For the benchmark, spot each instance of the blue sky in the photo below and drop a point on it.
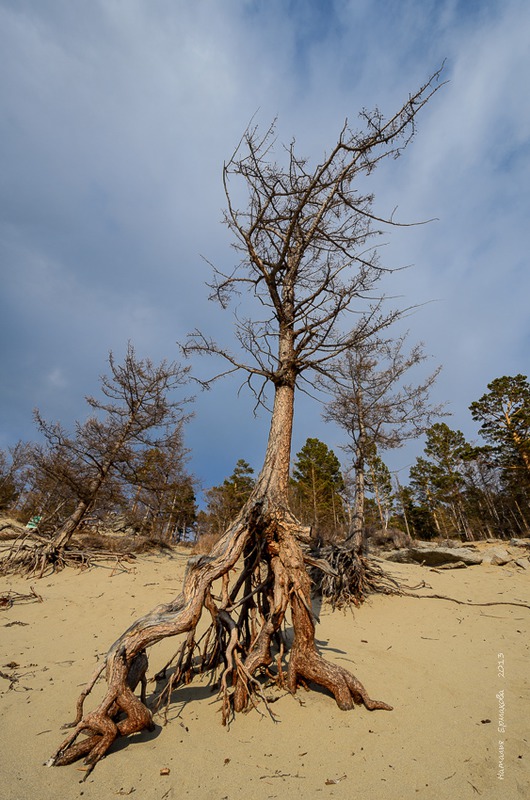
(116, 119)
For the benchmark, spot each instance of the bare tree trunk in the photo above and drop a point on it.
(314, 493)
(354, 539)
(400, 496)
(382, 516)
(68, 528)
(524, 521)
(432, 506)
(273, 480)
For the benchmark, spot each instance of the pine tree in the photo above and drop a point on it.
(225, 501)
(317, 484)
(439, 480)
(504, 414)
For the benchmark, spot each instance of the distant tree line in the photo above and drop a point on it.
(127, 464)
(476, 491)
(456, 488)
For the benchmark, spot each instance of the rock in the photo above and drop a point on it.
(450, 543)
(521, 562)
(520, 542)
(433, 556)
(497, 556)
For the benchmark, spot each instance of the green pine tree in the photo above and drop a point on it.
(317, 484)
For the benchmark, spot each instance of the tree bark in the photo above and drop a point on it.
(69, 526)
(354, 539)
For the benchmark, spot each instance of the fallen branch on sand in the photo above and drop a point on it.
(464, 602)
(9, 598)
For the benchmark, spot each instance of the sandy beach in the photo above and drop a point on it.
(457, 676)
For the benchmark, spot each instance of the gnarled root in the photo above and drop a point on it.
(247, 623)
(344, 686)
(291, 584)
(127, 661)
(351, 578)
(136, 674)
(101, 724)
(32, 555)
(305, 663)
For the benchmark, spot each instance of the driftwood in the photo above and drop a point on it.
(10, 597)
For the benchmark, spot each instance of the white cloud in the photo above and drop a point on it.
(56, 379)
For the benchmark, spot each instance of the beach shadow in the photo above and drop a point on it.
(179, 700)
(316, 605)
(187, 694)
(135, 738)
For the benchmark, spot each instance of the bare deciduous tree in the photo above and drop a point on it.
(305, 238)
(137, 413)
(379, 411)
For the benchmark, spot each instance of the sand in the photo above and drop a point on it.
(447, 669)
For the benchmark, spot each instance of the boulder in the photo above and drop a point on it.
(497, 556)
(433, 556)
(450, 543)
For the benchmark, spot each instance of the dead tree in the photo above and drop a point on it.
(379, 411)
(305, 239)
(137, 412)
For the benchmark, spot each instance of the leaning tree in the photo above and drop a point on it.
(305, 237)
(137, 412)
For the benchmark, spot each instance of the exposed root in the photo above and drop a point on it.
(84, 694)
(101, 725)
(350, 577)
(465, 602)
(244, 644)
(307, 664)
(345, 687)
(35, 556)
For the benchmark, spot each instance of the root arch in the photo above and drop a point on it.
(246, 623)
